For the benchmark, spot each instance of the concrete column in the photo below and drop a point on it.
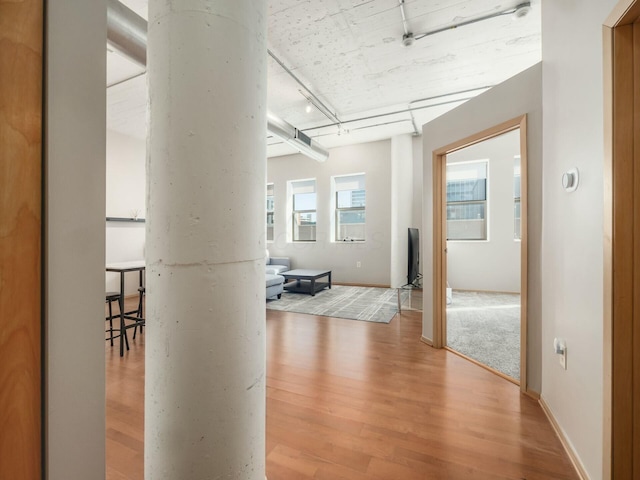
(205, 240)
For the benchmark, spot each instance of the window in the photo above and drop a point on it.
(303, 193)
(467, 201)
(270, 212)
(350, 197)
(517, 232)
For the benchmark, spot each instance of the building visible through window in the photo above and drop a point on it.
(270, 212)
(303, 197)
(350, 198)
(467, 201)
(517, 231)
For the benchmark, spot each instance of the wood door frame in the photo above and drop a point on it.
(21, 170)
(621, 310)
(440, 240)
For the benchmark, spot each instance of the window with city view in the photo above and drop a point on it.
(350, 198)
(303, 196)
(270, 212)
(467, 201)
(516, 198)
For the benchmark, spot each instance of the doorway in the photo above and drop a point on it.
(483, 253)
(482, 230)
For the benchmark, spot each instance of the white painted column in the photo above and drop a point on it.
(205, 336)
(401, 205)
(74, 241)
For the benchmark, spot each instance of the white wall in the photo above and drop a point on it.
(74, 259)
(374, 159)
(518, 95)
(125, 197)
(572, 253)
(401, 206)
(494, 264)
(418, 187)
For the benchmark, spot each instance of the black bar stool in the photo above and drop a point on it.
(141, 292)
(111, 297)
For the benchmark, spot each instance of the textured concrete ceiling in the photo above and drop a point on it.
(350, 54)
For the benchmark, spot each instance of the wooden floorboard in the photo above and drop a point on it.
(359, 400)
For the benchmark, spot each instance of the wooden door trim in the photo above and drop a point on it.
(21, 77)
(440, 241)
(621, 311)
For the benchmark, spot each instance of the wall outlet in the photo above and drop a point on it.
(560, 348)
(358, 264)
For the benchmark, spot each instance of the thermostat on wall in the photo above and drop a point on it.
(570, 180)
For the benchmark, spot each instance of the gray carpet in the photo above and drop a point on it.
(355, 303)
(486, 327)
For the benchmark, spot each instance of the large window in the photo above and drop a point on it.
(517, 232)
(350, 197)
(270, 212)
(303, 196)
(467, 201)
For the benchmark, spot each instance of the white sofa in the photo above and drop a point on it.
(277, 265)
(274, 266)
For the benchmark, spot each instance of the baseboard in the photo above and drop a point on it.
(532, 394)
(575, 460)
(426, 340)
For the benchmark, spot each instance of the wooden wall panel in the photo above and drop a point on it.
(21, 49)
(635, 348)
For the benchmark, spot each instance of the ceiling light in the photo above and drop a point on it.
(522, 11)
(407, 39)
(308, 108)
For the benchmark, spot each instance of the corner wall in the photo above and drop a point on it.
(513, 98)
(401, 206)
(573, 222)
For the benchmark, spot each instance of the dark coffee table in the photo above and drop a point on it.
(305, 281)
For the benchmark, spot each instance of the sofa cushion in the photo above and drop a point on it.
(276, 269)
(274, 279)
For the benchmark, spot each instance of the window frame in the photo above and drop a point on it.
(295, 213)
(484, 203)
(348, 183)
(270, 212)
(517, 213)
(339, 210)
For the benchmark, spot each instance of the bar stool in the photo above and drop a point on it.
(111, 297)
(141, 292)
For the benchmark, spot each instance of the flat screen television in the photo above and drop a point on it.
(413, 256)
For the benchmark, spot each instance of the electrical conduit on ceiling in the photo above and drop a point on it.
(127, 34)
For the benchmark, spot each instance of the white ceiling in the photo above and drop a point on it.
(350, 54)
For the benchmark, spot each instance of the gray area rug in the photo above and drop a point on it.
(355, 303)
(486, 327)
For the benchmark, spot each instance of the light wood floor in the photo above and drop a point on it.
(357, 400)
